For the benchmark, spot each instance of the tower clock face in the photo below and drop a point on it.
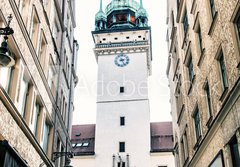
(121, 60)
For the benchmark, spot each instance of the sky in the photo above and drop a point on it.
(85, 91)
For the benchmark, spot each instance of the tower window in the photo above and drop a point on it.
(116, 38)
(104, 39)
(121, 89)
(121, 146)
(122, 121)
(139, 36)
(127, 37)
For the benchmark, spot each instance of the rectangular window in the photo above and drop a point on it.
(197, 124)
(121, 89)
(190, 69)
(9, 156)
(121, 146)
(42, 49)
(234, 152)
(212, 6)
(121, 164)
(34, 31)
(6, 77)
(23, 94)
(209, 101)
(122, 121)
(223, 71)
(217, 161)
(183, 151)
(37, 109)
(185, 140)
(185, 22)
(46, 134)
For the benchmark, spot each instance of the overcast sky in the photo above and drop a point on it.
(85, 92)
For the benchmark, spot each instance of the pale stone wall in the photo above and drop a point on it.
(86, 161)
(10, 131)
(162, 159)
(216, 36)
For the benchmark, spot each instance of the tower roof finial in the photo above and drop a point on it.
(141, 3)
(100, 5)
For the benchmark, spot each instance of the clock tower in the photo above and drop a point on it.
(122, 40)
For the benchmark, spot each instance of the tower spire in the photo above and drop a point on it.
(141, 3)
(100, 6)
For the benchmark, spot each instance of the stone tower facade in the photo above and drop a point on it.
(203, 71)
(123, 135)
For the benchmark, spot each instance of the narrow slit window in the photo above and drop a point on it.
(121, 89)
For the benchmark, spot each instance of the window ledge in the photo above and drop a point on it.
(224, 94)
(186, 162)
(191, 85)
(209, 122)
(201, 58)
(180, 114)
(198, 142)
(213, 24)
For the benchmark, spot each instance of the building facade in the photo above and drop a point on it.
(123, 135)
(36, 94)
(203, 71)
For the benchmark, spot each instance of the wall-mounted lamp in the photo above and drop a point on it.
(67, 155)
(6, 60)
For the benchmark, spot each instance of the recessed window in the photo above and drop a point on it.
(121, 146)
(223, 70)
(35, 24)
(104, 39)
(46, 135)
(139, 36)
(212, 6)
(217, 161)
(196, 118)
(190, 69)
(100, 42)
(121, 89)
(121, 164)
(144, 38)
(185, 22)
(237, 25)
(122, 121)
(116, 38)
(127, 37)
(234, 152)
(208, 98)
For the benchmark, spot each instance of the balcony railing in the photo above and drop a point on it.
(122, 44)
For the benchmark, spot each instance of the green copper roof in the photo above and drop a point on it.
(100, 15)
(122, 5)
(141, 11)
